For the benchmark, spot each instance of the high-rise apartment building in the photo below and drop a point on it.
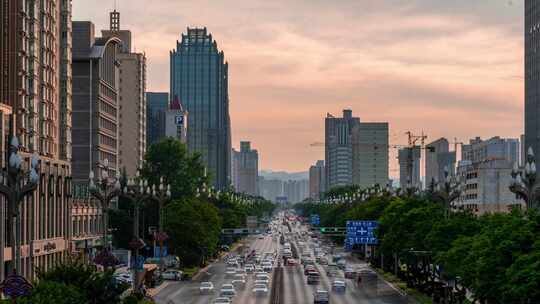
(479, 150)
(370, 154)
(270, 189)
(157, 105)
(95, 102)
(409, 167)
(132, 99)
(199, 77)
(246, 166)
(439, 157)
(338, 149)
(35, 105)
(355, 152)
(532, 74)
(316, 180)
(296, 190)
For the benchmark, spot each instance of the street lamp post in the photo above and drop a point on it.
(524, 183)
(137, 191)
(15, 185)
(162, 195)
(104, 190)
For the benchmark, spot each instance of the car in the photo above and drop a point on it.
(239, 280)
(222, 300)
(309, 268)
(262, 278)
(339, 286)
(321, 297)
(227, 290)
(249, 268)
(350, 273)
(267, 267)
(290, 262)
(260, 289)
(123, 277)
(230, 272)
(342, 264)
(261, 237)
(172, 274)
(323, 261)
(313, 278)
(206, 287)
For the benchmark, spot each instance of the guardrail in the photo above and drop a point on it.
(276, 293)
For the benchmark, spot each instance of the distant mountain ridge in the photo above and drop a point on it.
(283, 175)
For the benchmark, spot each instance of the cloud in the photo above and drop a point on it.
(450, 68)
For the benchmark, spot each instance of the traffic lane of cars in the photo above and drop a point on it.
(189, 293)
(296, 289)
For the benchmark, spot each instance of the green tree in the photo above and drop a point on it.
(194, 227)
(46, 292)
(171, 160)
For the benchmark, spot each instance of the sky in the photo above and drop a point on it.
(451, 69)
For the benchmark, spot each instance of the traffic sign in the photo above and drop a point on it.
(315, 220)
(361, 232)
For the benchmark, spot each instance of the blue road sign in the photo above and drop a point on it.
(361, 232)
(315, 220)
(157, 251)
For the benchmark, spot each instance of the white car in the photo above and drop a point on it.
(222, 300)
(227, 290)
(230, 272)
(267, 267)
(262, 278)
(174, 275)
(206, 287)
(261, 237)
(249, 268)
(239, 280)
(123, 277)
(260, 289)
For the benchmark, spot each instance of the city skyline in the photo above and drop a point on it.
(431, 87)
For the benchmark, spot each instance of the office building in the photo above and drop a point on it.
(316, 180)
(522, 151)
(199, 77)
(338, 149)
(157, 105)
(95, 102)
(370, 154)
(532, 74)
(176, 120)
(409, 167)
(35, 105)
(246, 166)
(439, 157)
(486, 186)
(479, 150)
(132, 99)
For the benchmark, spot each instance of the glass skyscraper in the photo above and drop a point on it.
(199, 78)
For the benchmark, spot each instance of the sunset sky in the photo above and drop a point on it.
(449, 68)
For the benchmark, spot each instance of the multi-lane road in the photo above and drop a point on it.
(296, 290)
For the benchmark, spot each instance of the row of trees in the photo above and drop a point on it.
(495, 256)
(195, 214)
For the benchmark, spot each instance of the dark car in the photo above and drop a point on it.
(313, 278)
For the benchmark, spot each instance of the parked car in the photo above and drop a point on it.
(172, 274)
(206, 287)
(339, 286)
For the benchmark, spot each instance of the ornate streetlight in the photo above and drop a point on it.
(524, 183)
(137, 191)
(161, 195)
(15, 185)
(449, 190)
(105, 190)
